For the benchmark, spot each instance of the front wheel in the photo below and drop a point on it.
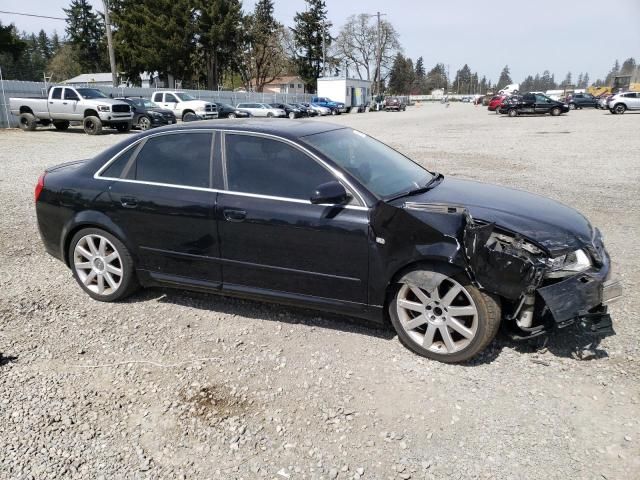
(123, 127)
(292, 115)
(572, 106)
(556, 111)
(513, 112)
(102, 265)
(189, 117)
(334, 111)
(443, 316)
(92, 125)
(620, 108)
(144, 123)
(231, 115)
(269, 115)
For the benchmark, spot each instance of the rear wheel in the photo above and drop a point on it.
(28, 122)
(92, 125)
(231, 115)
(555, 111)
(102, 265)
(620, 108)
(513, 112)
(292, 115)
(443, 316)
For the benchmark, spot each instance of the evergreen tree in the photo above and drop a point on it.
(44, 45)
(86, 33)
(505, 78)
(628, 66)
(567, 81)
(437, 77)
(585, 80)
(310, 30)
(401, 76)
(55, 43)
(420, 71)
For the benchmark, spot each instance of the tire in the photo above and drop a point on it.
(619, 108)
(292, 115)
(189, 117)
(144, 123)
(231, 115)
(334, 112)
(28, 122)
(88, 268)
(555, 111)
(92, 125)
(269, 115)
(123, 127)
(61, 125)
(512, 113)
(479, 316)
(572, 106)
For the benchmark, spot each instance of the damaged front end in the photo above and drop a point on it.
(541, 292)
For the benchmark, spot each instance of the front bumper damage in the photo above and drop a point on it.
(513, 273)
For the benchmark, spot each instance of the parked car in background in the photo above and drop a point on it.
(531, 103)
(603, 101)
(581, 100)
(147, 114)
(395, 103)
(495, 102)
(306, 111)
(291, 110)
(185, 107)
(229, 111)
(64, 105)
(261, 110)
(323, 216)
(318, 109)
(336, 107)
(621, 102)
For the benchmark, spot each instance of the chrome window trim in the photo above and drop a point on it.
(137, 144)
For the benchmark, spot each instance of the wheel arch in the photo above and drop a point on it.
(89, 112)
(26, 109)
(91, 219)
(188, 110)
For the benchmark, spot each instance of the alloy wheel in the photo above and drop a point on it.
(98, 264)
(442, 319)
(144, 123)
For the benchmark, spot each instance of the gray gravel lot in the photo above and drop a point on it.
(173, 384)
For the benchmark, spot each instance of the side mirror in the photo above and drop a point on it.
(330, 192)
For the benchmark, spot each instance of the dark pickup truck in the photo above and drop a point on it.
(532, 103)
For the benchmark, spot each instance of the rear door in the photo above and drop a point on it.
(273, 239)
(162, 199)
(633, 101)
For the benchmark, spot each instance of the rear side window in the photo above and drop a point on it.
(115, 169)
(175, 159)
(157, 97)
(270, 167)
(57, 93)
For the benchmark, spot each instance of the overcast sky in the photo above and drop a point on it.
(558, 35)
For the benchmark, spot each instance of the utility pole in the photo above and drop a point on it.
(377, 76)
(112, 55)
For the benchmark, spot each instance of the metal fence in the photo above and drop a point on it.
(16, 88)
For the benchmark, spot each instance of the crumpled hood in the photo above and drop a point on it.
(550, 224)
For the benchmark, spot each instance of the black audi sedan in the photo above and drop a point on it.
(148, 114)
(229, 111)
(325, 217)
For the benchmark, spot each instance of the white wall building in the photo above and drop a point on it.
(353, 92)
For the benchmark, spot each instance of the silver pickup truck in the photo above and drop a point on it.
(73, 104)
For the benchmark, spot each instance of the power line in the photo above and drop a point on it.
(32, 15)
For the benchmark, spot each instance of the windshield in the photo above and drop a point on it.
(378, 167)
(142, 102)
(226, 106)
(185, 97)
(90, 93)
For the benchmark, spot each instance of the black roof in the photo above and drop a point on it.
(291, 129)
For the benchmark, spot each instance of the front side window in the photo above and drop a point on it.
(185, 97)
(265, 166)
(157, 97)
(168, 98)
(378, 167)
(175, 159)
(69, 94)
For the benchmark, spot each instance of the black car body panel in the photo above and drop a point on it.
(340, 258)
(581, 100)
(158, 116)
(532, 104)
(224, 110)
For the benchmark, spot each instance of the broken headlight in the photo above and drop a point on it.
(569, 264)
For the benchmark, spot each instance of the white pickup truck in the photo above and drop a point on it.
(184, 106)
(73, 104)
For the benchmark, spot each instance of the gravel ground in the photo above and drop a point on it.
(172, 384)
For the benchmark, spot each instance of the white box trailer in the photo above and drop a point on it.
(353, 92)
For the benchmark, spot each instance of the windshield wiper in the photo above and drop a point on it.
(434, 181)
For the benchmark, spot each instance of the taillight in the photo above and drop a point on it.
(39, 186)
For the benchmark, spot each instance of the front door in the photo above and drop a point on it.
(57, 104)
(273, 238)
(165, 204)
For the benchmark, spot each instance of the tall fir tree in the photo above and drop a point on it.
(86, 34)
(505, 77)
(310, 35)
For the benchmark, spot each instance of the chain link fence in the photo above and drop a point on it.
(16, 88)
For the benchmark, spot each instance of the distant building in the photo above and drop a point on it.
(290, 85)
(353, 92)
(147, 80)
